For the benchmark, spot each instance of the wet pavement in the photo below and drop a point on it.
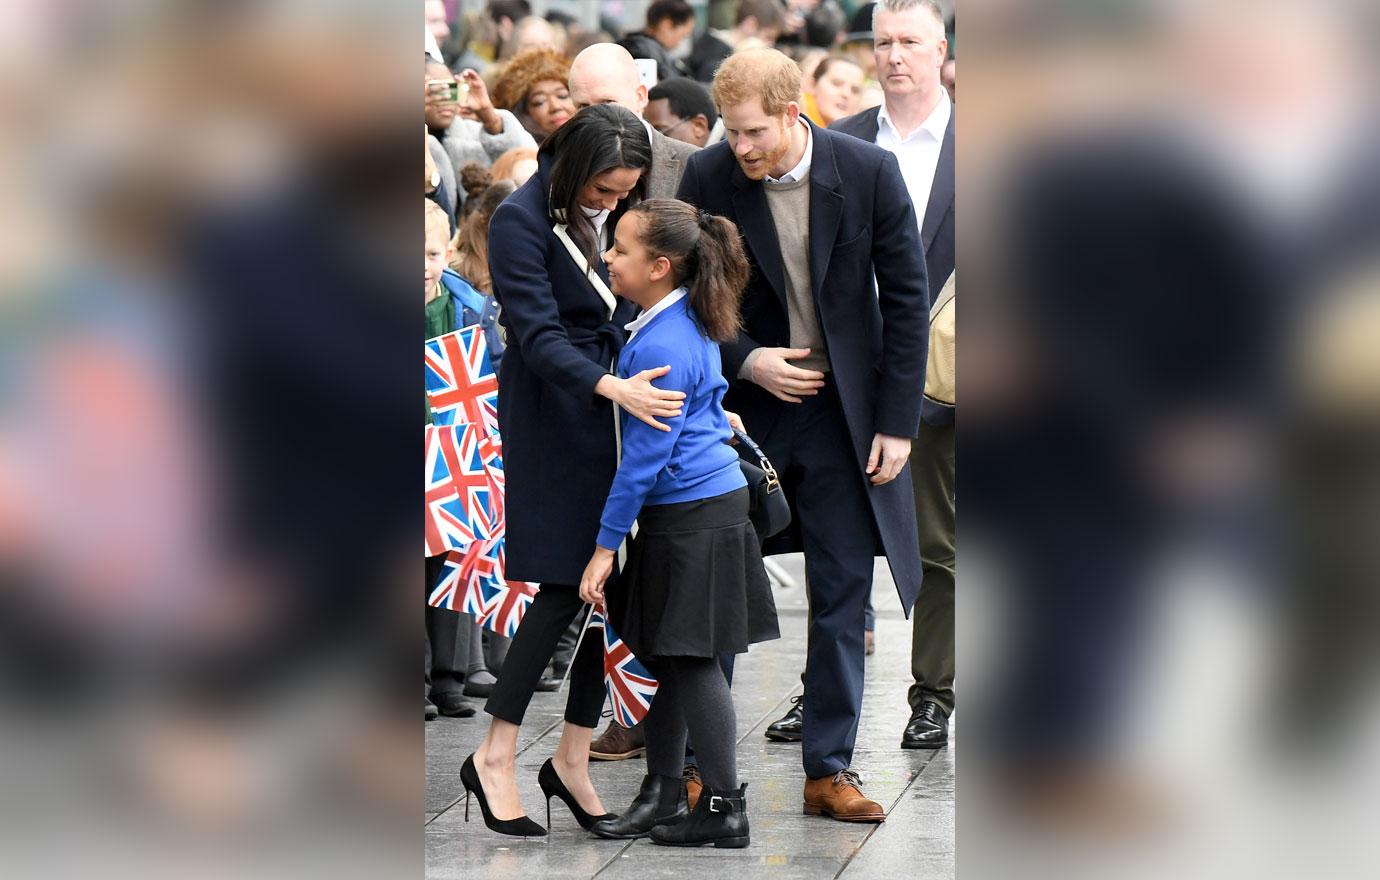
(916, 787)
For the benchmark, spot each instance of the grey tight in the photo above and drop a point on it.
(692, 699)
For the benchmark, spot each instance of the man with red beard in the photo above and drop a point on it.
(827, 373)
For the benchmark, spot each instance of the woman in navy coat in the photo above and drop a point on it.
(556, 395)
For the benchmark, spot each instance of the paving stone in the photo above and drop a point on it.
(917, 787)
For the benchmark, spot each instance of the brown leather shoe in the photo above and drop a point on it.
(839, 797)
(618, 743)
(693, 784)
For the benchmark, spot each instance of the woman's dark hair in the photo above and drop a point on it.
(706, 255)
(599, 138)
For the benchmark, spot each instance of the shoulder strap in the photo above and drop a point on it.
(946, 295)
(761, 456)
(598, 283)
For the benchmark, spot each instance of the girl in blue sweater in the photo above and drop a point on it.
(693, 587)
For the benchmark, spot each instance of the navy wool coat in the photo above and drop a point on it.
(861, 223)
(558, 437)
(937, 229)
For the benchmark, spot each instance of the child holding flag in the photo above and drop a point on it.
(694, 586)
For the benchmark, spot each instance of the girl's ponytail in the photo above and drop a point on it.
(706, 255)
(717, 277)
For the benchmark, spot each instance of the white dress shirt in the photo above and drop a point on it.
(918, 154)
(646, 317)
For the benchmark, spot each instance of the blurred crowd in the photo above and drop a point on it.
(1169, 231)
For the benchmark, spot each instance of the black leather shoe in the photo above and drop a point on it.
(454, 706)
(480, 685)
(661, 801)
(927, 729)
(786, 729)
(720, 819)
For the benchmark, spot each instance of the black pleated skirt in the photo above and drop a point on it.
(694, 584)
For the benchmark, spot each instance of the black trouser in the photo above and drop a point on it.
(445, 657)
(531, 650)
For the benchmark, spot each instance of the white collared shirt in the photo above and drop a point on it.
(598, 219)
(802, 168)
(918, 154)
(646, 317)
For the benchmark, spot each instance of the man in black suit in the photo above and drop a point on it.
(827, 374)
(916, 123)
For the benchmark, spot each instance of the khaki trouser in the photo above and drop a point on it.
(932, 642)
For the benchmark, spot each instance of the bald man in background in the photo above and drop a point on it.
(606, 74)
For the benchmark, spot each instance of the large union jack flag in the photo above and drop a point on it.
(460, 381)
(629, 684)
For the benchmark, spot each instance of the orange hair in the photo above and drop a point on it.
(528, 68)
(765, 74)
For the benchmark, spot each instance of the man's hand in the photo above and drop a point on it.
(773, 371)
(596, 574)
(888, 456)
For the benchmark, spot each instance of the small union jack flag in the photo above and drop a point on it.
(477, 473)
(506, 601)
(451, 590)
(460, 381)
(446, 524)
(629, 684)
(473, 582)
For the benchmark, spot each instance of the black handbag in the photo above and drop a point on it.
(767, 506)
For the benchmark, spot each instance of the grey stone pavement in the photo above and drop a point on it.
(916, 787)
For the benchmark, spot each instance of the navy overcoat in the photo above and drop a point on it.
(558, 435)
(861, 222)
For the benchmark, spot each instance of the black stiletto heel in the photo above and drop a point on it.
(551, 786)
(519, 827)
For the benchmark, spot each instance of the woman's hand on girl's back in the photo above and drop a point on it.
(641, 398)
(596, 574)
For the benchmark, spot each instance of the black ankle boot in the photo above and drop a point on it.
(661, 801)
(720, 819)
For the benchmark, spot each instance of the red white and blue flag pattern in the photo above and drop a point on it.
(447, 521)
(460, 382)
(465, 485)
(630, 686)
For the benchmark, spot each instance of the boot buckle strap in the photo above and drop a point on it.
(719, 804)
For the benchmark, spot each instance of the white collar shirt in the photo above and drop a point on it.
(918, 153)
(646, 317)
